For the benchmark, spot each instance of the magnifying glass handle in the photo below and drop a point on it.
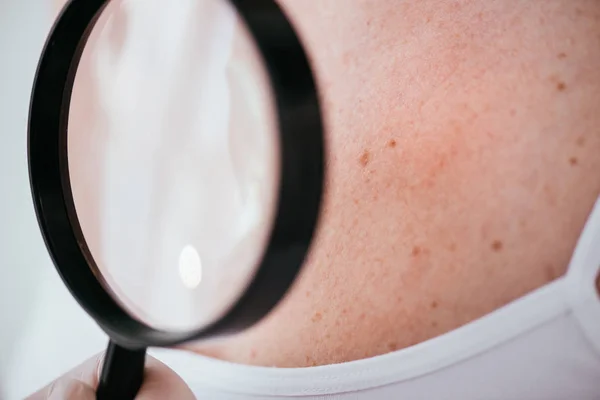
(122, 373)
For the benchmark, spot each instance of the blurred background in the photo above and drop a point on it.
(43, 332)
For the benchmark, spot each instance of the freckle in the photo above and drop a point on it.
(392, 143)
(416, 251)
(573, 161)
(392, 346)
(317, 317)
(580, 141)
(452, 247)
(561, 56)
(497, 245)
(434, 304)
(365, 158)
(561, 86)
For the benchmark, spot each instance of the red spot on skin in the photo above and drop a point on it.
(253, 354)
(392, 143)
(452, 247)
(561, 56)
(365, 157)
(344, 311)
(497, 245)
(573, 161)
(393, 346)
(434, 304)
(561, 86)
(513, 112)
(416, 251)
(317, 317)
(362, 316)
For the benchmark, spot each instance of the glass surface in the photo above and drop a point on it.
(173, 158)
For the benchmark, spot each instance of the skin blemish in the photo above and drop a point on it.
(392, 143)
(580, 141)
(497, 245)
(364, 158)
(307, 293)
(452, 247)
(561, 86)
(434, 304)
(434, 324)
(393, 346)
(416, 251)
(362, 316)
(561, 56)
(573, 161)
(344, 311)
(317, 317)
(253, 354)
(513, 112)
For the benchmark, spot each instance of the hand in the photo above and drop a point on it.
(160, 382)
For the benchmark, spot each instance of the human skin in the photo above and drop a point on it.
(463, 160)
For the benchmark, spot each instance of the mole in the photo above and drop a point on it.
(561, 86)
(573, 161)
(561, 56)
(497, 245)
(392, 143)
(365, 158)
(317, 317)
(434, 304)
(416, 251)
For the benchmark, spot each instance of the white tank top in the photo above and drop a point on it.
(544, 346)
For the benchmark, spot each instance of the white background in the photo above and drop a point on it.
(43, 332)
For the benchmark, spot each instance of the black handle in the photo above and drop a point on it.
(122, 373)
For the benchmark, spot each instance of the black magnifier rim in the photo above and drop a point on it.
(301, 180)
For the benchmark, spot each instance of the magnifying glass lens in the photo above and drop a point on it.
(173, 158)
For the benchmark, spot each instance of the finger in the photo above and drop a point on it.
(160, 382)
(87, 373)
(71, 390)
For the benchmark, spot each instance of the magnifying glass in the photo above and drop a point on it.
(176, 162)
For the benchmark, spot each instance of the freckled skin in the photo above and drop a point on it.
(448, 194)
(452, 130)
